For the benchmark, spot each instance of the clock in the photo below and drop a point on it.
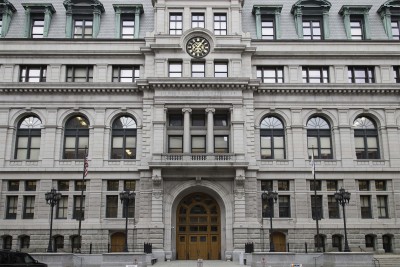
(198, 47)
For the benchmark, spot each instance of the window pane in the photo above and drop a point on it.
(118, 142)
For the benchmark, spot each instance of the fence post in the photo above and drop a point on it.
(305, 243)
(108, 247)
(90, 248)
(288, 248)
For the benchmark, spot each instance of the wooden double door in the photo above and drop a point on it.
(198, 228)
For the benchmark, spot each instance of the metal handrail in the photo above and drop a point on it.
(315, 260)
(374, 261)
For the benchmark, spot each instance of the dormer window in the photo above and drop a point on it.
(356, 22)
(127, 21)
(390, 14)
(6, 11)
(267, 21)
(37, 20)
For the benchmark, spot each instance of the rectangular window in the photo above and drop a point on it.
(112, 185)
(396, 72)
(83, 28)
(220, 24)
(284, 206)
(30, 185)
(363, 185)
(33, 74)
(77, 206)
(175, 144)
(312, 29)
(382, 206)
(267, 208)
(365, 207)
(112, 207)
(198, 120)
(198, 69)
(197, 20)
(220, 69)
(380, 185)
(266, 185)
(316, 183)
(131, 209)
(316, 207)
(127, 28)
(12, 202)
(125, 74)
(198, 144)
(175, 23)
(79, 185)
(13, 185)
(62, 208)
(130, 185)
(270, 74)
(361, 74)
(283, 185)
(175, 69)
(175, 120)
(29, 207)
(221, 120)
(315, 75)
(79, 74)
(63, 185)
(396, 29)
(331, 185)
(333, 207)
(221, 144)
(37, 28)
(267, 28)
(356, 29)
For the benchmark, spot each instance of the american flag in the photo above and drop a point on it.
(85, 166)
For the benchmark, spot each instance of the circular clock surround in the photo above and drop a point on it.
(198, 47)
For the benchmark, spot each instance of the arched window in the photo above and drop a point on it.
(76, 138)
(370, 241)
(272, 139)
(58, 242)
(123, 138)
(7, 242)
(366, 138)
(319, 138)
(24, 242)
(75, 243)
(319, 241)
(28, 138)
(337, 242)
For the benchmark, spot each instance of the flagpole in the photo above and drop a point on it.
(315, 200)
(81, 200)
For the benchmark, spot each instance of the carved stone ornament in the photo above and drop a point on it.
(156, 180)
(157, 194)
(239, 194)
(239, 180)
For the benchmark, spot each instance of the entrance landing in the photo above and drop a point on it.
(194, 264)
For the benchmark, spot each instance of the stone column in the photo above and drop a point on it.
(186, 129)
(210, 129)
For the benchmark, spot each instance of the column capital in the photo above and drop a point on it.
(208, 110)
(184, 110)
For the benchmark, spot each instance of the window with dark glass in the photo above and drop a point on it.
(382, 206)
(337, 242)
(331, 185)
(131, 209)
(37, 27)
(175, 120)
(29, 207)
(76, 138)
(124, 138)
(175, 144)
(365, 202)
(79, 74)
(198, 69)
(112, 207)
(112, 185)
(198, 120)
(62, 208)
(13, 185)
(28, 139)
(220, 24)
(76, 214)
(315, 185)
(220, 69)
(396, 72)
(198, 20)
(79, 185)
(130, 185)
(312, 29)
(333, 207)
(283, 185)
(198, 144)
(221, 120)
(83, 28)
(366, 139)
(319, 138)
(58, 242)
(267, 208)
(380, 185)
(125, 74)
(316, 207)
(30, 185)
(356, 29)
(33, 74)
(7, 242)
(24, 242)
(11, 212)
(63, 185)
(221, 144)
(363, 185)
(267, 27)
(315, 74)
(175, 23)
(266, 185)
(175, 69)
(284, 206)
(396, 28)
(270, 74)
(370, 241)
(272, 138)
(361, 74)
(127, 27)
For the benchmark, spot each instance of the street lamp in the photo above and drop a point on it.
(52, 198)
(343, 197)
(126, 197)
(271, 197)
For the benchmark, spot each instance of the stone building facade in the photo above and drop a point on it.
(200, 108)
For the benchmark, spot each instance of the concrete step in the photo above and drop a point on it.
(388, 260)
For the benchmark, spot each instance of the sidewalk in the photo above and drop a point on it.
(194, 264)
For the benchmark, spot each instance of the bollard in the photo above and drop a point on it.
(200, 263)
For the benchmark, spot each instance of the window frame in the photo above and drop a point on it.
(396, 72)
(127, 135)
(79, 185)
(284, 207)
(174, 22)
(317, 130)
(333, 207)
(359, 27)
(13, 185)
(197, 21)
(111, 206)
(78, 134)
(173, 73)
(30, 185)
(317, 207)
(363, 153)
(382, 207)
(331, 185)
(264, 28)
(117, 73)
(89, 69)
(12, 207)
(62, 208)
(311, 20)
(196, 150)
(201, 73)
(218, 73)
(30, 131)
(61, 187)
(395, 20)
(380, 185)
(273, 130)
(366, 211)
(170, 150)
(364, 185)
(277, 71)
(283, 185)
(36, 18)
(219, 19)
(307, 78)
(29, 207)
(86, 23)
(76, 207)
(223, 150)
(124, 19)
(25, 76)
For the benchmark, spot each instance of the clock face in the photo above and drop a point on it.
(198, 47)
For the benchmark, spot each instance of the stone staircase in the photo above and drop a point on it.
(387, 260)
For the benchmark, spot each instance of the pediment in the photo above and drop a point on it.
(83, 4)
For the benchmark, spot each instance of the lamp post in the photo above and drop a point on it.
(343, 197)
(52, 198)
(271, 197)
(126, 197)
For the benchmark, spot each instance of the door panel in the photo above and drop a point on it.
(181, 248)
(117, 242)
(215, 248)
(193, 248)
(279, 240)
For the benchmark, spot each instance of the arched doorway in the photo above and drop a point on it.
(387, 243)
(279, 240)
(198, 233)
(117, 242)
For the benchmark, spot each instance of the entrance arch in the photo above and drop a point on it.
(198, 235)
(117, 242)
